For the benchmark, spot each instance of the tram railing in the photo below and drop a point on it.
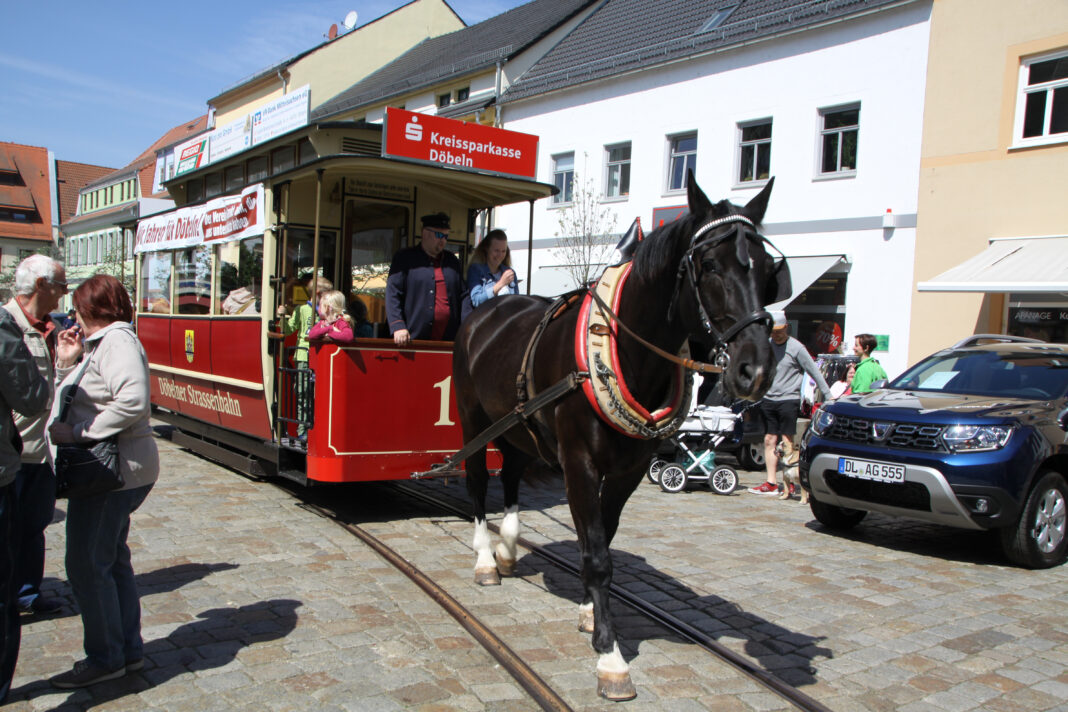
(296, 399)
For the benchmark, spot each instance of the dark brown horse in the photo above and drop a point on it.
(703, 277)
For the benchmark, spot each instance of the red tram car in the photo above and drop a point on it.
(324, 199)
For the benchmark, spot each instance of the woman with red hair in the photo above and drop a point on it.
(111, 397)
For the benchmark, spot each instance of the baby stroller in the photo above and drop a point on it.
(689, 456)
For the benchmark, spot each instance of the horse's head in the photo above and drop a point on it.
(725, 277)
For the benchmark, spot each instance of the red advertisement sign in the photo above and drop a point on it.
(469, 146)
(231, 217)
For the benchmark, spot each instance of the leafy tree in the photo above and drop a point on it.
(585, 231)
(7, 275)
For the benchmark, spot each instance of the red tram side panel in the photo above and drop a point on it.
(203, 360)
(382, 413)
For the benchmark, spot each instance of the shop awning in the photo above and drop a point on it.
(1011, 264)
(803, 272)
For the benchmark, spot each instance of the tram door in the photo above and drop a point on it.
(374, 231)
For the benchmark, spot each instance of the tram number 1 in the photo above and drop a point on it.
(443, 408)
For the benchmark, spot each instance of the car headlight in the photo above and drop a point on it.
(822, 421)
(974, 438)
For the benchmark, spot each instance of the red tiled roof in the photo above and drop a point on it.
(70, 179)
(31, 163)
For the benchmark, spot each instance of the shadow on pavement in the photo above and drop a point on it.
(211, 642)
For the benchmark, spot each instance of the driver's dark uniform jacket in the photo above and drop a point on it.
(410, 292)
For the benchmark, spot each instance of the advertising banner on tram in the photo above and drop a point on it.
(231, 217)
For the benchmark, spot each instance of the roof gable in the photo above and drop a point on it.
(31, 191)
(70, 179)
(455, 54)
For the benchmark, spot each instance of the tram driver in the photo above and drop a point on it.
(424, 287)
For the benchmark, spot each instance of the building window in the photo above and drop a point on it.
(683, 158)
(444, 100)
(617, 170)
(754, 152)
(213, 184)
(235, 177)
(195, 190)
(1042, 104)
(463, 94)
(564, 177)
(257, 169)
(282, 159)
(838, 140)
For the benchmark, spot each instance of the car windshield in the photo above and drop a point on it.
(1031, 375)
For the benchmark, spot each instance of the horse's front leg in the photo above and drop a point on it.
(514, 463)
(477, 478)
(613, 673)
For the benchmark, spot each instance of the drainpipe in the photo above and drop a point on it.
(497, 95)
(285, 82)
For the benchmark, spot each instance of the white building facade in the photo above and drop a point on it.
(833, 112)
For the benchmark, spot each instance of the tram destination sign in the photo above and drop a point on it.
(458, 144)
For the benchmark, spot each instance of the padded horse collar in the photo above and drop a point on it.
(719, 347)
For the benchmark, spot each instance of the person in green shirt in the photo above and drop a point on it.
(868, 369)
(302, 319)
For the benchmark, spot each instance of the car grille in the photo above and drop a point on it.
(906, 436)
(907, 495)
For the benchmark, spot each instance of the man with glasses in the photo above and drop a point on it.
(40, 283)
(424, 287)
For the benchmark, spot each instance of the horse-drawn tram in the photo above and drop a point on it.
(335, 200)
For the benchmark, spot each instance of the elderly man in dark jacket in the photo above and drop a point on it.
(424, 287)
(21, 389)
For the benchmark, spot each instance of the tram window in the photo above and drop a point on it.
(300, 247)
(257, 168)
(240, 270)
(282, 160)
(194, 280)
(235, 177)
(213, 184)
(376, 231)
(306, 151)
(194, 190)
(155, 292)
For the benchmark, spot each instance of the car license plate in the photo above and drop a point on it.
(871, 470)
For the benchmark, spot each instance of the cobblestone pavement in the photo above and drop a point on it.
(251, 601)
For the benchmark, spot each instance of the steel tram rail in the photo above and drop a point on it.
(529, 680)
(658, 615)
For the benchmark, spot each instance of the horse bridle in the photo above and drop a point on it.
(686, 267)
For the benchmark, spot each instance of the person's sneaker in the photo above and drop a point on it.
(84, 674)
(764, 488)
(41, 606)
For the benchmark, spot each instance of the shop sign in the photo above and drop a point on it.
(232, 217)
(232, 138)
(191, 155)
(457, 144)
(282, 115)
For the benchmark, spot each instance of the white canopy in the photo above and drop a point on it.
(1010, 264)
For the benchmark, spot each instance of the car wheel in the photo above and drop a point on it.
(834, 517)
(751, 456)
(724, 480)
(653, 473)
(673, 478)
(1037, 540)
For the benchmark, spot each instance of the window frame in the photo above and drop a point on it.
(822, 134)
(1045, 139)
(685, 156)
(743, 144)
(566, 194)
(624, 166)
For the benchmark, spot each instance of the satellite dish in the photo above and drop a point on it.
(333, 31)
(350, 20)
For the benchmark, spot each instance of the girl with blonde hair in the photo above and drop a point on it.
(335, 324)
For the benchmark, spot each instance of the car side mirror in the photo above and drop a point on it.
(881, 383)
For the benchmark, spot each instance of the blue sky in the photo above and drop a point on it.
(99, 82)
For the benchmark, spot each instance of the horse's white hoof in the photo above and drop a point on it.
(615, 686)
(487, 577)
(506, 567)
(585, 619)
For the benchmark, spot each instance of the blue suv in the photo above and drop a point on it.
(973, 436)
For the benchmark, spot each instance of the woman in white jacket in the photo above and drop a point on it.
(111, 398)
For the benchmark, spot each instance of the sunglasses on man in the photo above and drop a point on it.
(439, 235)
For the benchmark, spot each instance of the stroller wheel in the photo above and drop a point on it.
(673, 478)
(724, 480)
(653, 473)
